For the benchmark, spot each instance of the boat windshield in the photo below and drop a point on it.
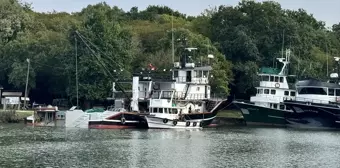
(165, 110)
(312, 90)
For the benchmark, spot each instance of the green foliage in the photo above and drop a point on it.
(13, 20)
(241, 38)
(259, 31)
(17, 76)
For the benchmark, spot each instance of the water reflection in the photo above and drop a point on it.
(229, 147)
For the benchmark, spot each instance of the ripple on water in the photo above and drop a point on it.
(228, 147)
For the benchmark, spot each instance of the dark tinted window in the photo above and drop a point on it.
(286, 93)
(292, 93)
(273, 92)
(265, 78)
(282, 107)
(337, 92)
(331, 92)
(275, 106)
(276, 79)
(260, 91)
(175, 74)
(272, 78)
(281, 79)
(316, 91)
(266, 91)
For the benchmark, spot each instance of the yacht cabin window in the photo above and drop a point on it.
(275, 106)
(265, 78)
(281, 79)
(273, 92)
(313, 90)
(205, 74)
(276, 79)
(198, 74)
(331, 92)
(160, 110)
(155, 110)
(272, 78)
(166, 111)
(260, 91)
(175, 74)
(292, 93)
(337, 92)
(286, 93)
(282, 107)
(174, 111)
(266, 91)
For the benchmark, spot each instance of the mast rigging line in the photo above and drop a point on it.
(107, 72)
(119, 65)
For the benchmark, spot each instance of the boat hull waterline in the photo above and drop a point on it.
(120, 121)
(188, 121)
(261, 116)
(313, 115)
(161, 123)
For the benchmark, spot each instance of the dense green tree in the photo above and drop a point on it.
(112, 44)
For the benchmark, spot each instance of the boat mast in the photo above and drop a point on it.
(76, 48)
(283, 42)
(327, 58)
(172, 42)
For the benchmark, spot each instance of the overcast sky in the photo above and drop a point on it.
(325, 10)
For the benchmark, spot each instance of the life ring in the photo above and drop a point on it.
(201, 124)
(277, 85)
(187, 123)
(122, 120)
(174, 122)
(337, 99)
(165, 121)
(194, 124)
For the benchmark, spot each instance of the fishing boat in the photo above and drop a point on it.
(180, 96)
(184, 99)
(266, 107)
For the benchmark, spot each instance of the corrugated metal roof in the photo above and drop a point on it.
(17, 94)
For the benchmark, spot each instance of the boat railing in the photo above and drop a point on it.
(309, 100)
(165, 94)
(197, 80)
(266, 96)
(243, 101)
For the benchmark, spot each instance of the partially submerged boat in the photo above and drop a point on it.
(115, 117)
(43, 116)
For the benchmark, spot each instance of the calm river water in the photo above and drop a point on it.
(22, 146)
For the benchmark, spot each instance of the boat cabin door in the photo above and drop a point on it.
(188, 76)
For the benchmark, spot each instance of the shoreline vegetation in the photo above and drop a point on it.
(14, 116)
(242, 38)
